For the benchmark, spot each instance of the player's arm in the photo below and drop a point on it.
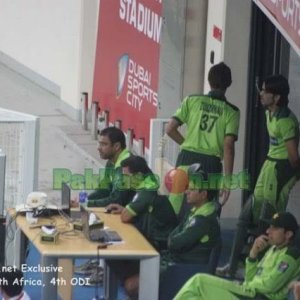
(173, 132)
(126, 215)
(229, 152)
(259, 245)
(290, 133)
(183, 239)
(138, 206)
(276, 279)
(293, 155)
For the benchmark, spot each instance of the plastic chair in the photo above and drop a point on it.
(176, 275)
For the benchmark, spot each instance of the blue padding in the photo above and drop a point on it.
(176, 275)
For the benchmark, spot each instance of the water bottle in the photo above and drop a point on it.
(83, 197)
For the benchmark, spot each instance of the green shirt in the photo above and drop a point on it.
(193, 239)
(209, 118)
(109, 190)
(282, 126)
(153, 213)
(270, 276)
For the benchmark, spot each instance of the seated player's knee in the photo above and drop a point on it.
(131, 285)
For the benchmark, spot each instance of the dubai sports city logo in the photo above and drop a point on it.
(135, 83)
(122, 71)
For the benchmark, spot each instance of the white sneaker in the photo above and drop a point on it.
(223, 271)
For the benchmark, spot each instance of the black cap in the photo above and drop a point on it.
(284, 220)
(197, 177)
(197, 169)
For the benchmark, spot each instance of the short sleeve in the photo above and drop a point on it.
(232, 123)
(288, 129)
(182, 112)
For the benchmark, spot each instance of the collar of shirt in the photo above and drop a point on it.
(217, 95)
(124, 154)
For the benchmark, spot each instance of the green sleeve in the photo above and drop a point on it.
(122, 197)
(182, 112)
(251, 268)
(141, 203)
(99, 193)
(117, 193)
(276, 279)
(232, 123)
(288, 129)
(188, 236)
(105, 184)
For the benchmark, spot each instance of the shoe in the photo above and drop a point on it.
(223, 271)
(87, 268)
(96, 277)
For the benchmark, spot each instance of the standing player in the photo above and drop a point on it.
(212, 129)
(279, 171)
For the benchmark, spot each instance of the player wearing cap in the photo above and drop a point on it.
(212, 128)
(267, 278)
(279, 171)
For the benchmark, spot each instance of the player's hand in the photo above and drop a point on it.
(74, 203)
(224, 196)
(260, 243)
(295, 286)
(114, 208)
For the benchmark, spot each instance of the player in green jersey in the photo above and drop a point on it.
(279, 171)
(267, 278)
(112, 146)
(191, 242)
(150, 212)
(212, 129)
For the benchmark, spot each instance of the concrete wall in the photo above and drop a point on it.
(195, 44)
(232, 18)
(236, 55)
(171, 58)
(89, 36)
(182, 53)
(49, 42)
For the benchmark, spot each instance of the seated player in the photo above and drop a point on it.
(151, 213)
(266, 278)
(193, 239)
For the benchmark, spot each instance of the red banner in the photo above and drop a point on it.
(127, 62)
(287, 14)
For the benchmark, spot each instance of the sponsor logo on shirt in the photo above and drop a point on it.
(273, 141)
(259, 271)
(283, 266)
(192, 222)
(134, 198)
